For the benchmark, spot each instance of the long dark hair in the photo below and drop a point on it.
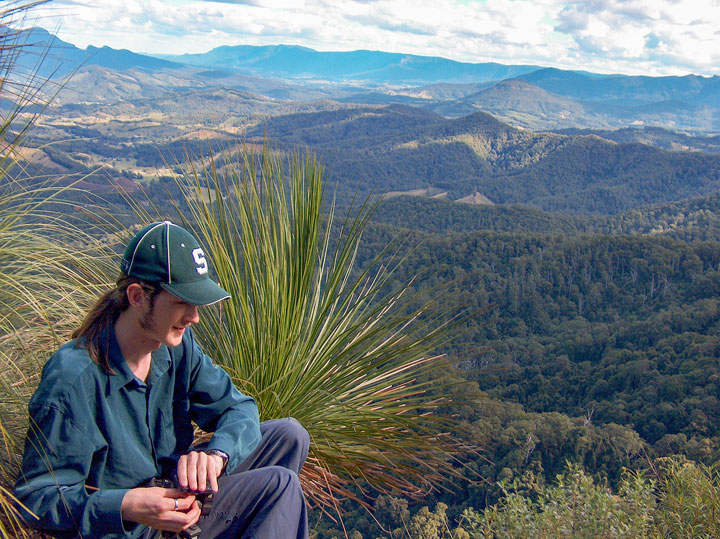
(93, 334)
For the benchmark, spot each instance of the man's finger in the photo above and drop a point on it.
(182, 471)
(215, 466)
(185, 503)
(178, 500)
(202, 471)
(192, 471)
(212, 477)
(193, 515)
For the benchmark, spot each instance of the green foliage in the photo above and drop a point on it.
(393, 513)
(689, 505)
(516, 441)
(439, 216)
(695, 219)
(592, 176)
(428, 525)
(574, 507)
(617, 329)
(681, 502)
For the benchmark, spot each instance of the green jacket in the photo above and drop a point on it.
(94, 436)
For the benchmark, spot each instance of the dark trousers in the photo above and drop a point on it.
(262, 498)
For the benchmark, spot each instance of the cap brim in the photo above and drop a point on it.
(203, 292)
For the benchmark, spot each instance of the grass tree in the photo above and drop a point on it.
(312, 336)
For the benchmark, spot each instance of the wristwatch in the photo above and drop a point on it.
(218, 453)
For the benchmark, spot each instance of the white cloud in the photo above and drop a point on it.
(629, 36)
(683, 34)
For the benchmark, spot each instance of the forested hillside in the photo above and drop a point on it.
(623, 327)
(590, 348)
(399, 148)
(691, 219)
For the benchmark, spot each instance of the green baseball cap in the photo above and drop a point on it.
(167, 254)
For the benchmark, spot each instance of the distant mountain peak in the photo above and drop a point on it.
(292, 61)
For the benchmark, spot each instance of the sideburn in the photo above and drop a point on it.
(146, 322)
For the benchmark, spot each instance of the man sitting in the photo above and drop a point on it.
(115, 408)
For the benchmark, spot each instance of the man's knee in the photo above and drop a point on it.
(282, 482)
(289, 434)
(296, 434)
(260, 485)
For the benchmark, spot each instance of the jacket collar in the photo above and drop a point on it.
(160, 363)
(123, 375)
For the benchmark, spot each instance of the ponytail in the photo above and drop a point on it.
(94, 332)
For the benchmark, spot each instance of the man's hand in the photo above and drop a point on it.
(197, 470)
(155, 507)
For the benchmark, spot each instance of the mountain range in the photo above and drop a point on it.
(529, 97)
(360, 67)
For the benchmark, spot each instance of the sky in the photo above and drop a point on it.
(636, 37)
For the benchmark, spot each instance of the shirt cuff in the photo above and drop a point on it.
(106, 513)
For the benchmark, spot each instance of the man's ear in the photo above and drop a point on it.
(136, 295)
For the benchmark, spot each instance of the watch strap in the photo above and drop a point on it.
(218, 453)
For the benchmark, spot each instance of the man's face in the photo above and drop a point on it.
(166, 319)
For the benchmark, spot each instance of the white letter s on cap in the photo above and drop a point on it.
(199, 257)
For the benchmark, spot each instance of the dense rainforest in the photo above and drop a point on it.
(617, 327)
(583, 346)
